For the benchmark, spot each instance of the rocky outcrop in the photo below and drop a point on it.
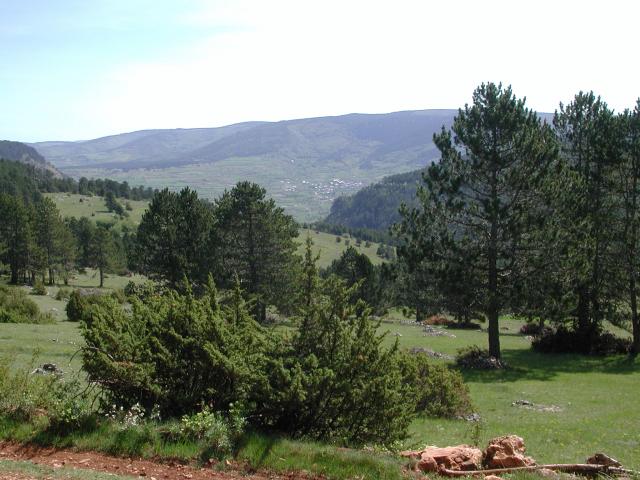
(506, 452)
(434, 459)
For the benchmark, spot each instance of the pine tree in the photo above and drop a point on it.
(172, 237)
(590, 150)
(254, 239)
(629, 182)
(15, 232)
(476, 199)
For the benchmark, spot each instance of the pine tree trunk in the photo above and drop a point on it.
(101, 277)
(418, 313)
(493, 311)
(583, 309)
(14, 275)
(635, 323)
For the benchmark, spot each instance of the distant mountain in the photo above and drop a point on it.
(304, 164)
(20, 152)
(376, 206)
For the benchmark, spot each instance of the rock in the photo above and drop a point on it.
(492, 477)
(461, 457)
(48, 369)
(602, 459)
(430, 353)
(472, 417)
(507, 452)
(537, 407)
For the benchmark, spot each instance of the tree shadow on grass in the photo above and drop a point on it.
(529, 365)
(261, 447)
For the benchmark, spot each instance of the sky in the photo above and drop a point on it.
(80, 69)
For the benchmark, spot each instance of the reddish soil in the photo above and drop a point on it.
(146, 469)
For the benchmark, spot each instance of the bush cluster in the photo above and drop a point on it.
(474, 357)
(17, 307)
(566, 340)
(330, 379)
(39, 288)
(439, 391)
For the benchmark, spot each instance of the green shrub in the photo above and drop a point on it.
(76, 306)
(333, 380)
(595, 342)
(221, 433)
(17, 307)
(474, 357)
(174, 351)
(439, 391)
(119, 296)
(39, 288)
(64, 294)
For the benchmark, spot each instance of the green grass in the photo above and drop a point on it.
(43, 472)
(257, 451)
(280, 454)
(70, 205)
(330, 250)
(75, 205)
(54, 343)
(598, 397)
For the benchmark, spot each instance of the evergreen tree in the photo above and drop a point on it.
(591, 150)
(476, 199)
(254, 239)
(172, 237)
(48, 230)
(15, 232)
(103, 250)
(356, 268)
(629, 182)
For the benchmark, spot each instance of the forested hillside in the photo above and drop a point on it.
(19, 152)
(377, 206)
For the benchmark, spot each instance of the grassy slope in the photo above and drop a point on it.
(94, 208)
(325, 244)
(74, 205)
(598, 397)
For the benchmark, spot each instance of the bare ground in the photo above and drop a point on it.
(147, 469)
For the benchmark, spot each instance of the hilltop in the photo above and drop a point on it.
(304, 164)
(19, 152)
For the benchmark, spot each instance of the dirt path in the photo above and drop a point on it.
(146, 469)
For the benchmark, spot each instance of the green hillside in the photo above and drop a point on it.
(304, 164)
(74, 205)
(377, 206)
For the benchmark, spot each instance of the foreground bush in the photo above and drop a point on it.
(333, 380)
(174, 352)
(17, 307)
(439, 391)
(330, 379)
(565, 340)
(476, 358)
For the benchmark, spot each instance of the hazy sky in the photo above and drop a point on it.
(77, 69)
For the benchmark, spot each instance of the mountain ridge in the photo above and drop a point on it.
(24, 153)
